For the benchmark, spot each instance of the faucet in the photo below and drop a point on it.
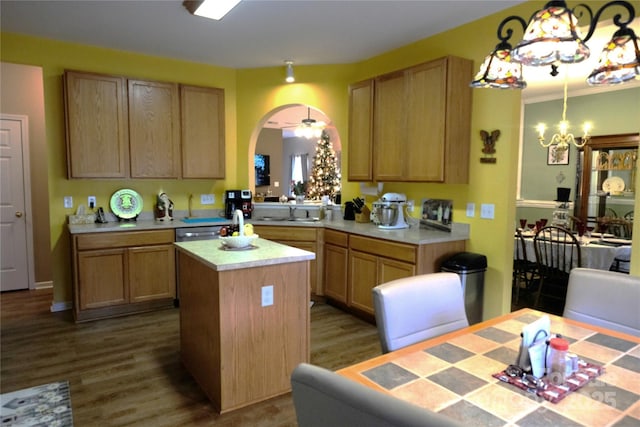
(190, 202)
(292, 212)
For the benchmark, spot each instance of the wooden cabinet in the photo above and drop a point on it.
(121, 128)
(122, 272)
(360, 131)
(375, 261)
(355, 264)
(305, 238)
(97, 129)
(203, 130)
(421, 124)
(336, 265)
(154, 129)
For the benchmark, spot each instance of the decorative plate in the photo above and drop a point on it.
(613, 184)
(126, 204)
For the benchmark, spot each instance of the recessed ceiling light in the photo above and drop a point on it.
(212, 9)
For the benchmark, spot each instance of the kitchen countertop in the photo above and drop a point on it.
(263, 252)
(413, 235)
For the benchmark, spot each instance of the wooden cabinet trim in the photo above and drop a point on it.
(385, 248)
(120, 239)
(337, 238)
(275, 232)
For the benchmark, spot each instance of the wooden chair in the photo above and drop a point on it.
(525, 271)
(557, 252)
(413, 309)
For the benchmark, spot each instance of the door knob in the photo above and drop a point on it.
(19, 214)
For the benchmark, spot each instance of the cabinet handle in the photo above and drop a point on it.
(19, 214)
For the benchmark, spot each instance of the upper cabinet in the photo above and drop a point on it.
(154, 129)
(420, 125)
(126, 128)
(202, 125)
(96, 125)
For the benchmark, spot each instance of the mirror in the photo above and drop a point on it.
(281, 156)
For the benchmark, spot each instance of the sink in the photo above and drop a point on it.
(303, 219)
(195, 220)
(269, 218)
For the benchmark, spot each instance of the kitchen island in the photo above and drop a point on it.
(244, 318)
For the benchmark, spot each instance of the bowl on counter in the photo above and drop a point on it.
(238, 242)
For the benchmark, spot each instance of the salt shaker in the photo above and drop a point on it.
(557, 360)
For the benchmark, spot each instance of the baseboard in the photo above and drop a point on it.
(44, 285)
(61, 306)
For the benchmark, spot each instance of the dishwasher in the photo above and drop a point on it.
(188, 234)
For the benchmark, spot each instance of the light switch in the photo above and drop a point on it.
(471, 210)
(68, 202)
(267, 295)
(207, 199)
(487, 210)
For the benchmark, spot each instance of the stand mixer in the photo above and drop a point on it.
(389, 211)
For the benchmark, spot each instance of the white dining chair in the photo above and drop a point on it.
(416, 308)
(604, 298)
(324, 398)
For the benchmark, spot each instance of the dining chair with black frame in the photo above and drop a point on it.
(525, 271)
(557, 253)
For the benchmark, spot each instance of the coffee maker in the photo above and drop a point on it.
(237, 200)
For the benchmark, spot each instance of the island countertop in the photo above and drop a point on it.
(263, 252)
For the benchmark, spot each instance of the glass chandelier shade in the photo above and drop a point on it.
(499, 71)
(619, 60)
(551, 36)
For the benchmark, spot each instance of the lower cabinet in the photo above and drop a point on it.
(354, 265)
(122, 273)
(305, 238)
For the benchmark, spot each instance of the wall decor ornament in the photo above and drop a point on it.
(557, 155)
(489, 142)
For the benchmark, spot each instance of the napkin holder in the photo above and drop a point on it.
(532, 334)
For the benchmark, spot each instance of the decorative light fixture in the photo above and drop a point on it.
(212, 9)
(290, 77)
(309, 128)
(552, 37)
(564, 138)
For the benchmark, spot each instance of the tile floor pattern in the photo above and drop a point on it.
(454, 378)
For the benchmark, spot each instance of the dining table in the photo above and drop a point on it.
(453, 374)
(597, 251)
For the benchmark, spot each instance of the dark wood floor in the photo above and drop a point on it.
(126, 371)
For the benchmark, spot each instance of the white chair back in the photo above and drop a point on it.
(416, 308)
(323, 398)
(604, 298)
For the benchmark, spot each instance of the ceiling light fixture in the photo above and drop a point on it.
(309, 128)
(564, 138)
(212, 9)
(290, 78)
(552, 37)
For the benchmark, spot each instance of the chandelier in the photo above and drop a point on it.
(563, 138)
(552, 37)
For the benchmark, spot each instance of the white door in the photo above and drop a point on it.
(14, 244)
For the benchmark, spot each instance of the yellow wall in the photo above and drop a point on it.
(250, 94)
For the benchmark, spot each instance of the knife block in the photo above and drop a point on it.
(364, 216)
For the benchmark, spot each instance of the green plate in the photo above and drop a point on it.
(126, 203)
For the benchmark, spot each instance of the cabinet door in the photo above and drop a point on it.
(363, 272)
(389, 118)
(96, 126)
(101, 278)
(425, 131)
(360, 131)
(389, 269)
(154, 133)
(202, 126)
(336, 260)
(152, 272)
(313, 264)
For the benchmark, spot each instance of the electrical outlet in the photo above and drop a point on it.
(68, 202)
(410, 206)
(471, 210)
(276, 184)
(487, 210)
(207, 199)
(91, 202)
(267, 295)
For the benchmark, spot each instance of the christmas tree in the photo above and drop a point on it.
(325, 176)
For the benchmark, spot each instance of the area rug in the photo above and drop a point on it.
(46, 405)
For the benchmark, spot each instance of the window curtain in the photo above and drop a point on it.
(299, 167)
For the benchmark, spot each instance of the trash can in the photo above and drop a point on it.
(470, 267)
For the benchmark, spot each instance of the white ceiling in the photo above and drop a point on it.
(265, 33)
